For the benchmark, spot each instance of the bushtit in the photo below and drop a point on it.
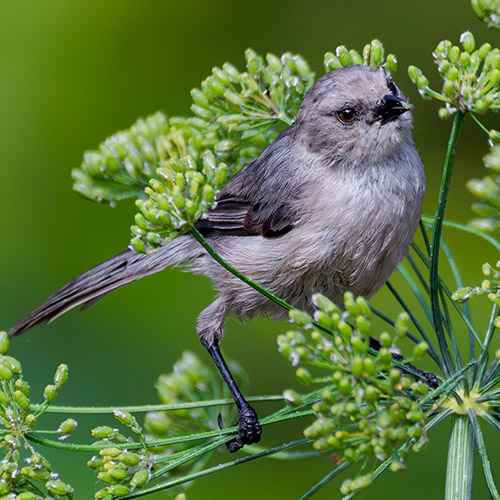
(331, 205)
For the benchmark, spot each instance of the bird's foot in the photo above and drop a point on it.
(248, 429)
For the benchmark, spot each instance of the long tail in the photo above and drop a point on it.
(120, 270)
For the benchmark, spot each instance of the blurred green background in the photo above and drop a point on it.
(73, 73)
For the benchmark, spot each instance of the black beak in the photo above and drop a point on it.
(390, 108)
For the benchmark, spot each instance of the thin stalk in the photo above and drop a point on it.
(460, 469)
(436, 238)
(325, 480)
(466, 229)
(481, 447)
(99, 410)
(216, 468)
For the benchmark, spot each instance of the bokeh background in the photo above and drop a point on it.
(72, 73)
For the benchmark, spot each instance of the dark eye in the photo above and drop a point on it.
(347, 115)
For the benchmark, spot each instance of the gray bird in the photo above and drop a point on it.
(331, 205)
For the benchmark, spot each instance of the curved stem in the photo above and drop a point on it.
(436, 238)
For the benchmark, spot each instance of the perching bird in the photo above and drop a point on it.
(331, 205)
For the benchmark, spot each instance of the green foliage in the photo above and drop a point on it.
(368, 407)
(126, 464)
(471, 77)
(25, 474)
(373, 55)
(488, 11)
(175, 167)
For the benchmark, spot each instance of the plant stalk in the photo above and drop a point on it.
(436, 239)
(460, 468)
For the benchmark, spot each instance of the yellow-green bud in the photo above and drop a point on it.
(30, 421)
(138, 245)
(12, 363)
(129, 459)
(331, 62)
(468, 42)
(420, 350)
(5, 372)
(21, 400)
(303, 376)
(59, 488)
(67, 426)
(300, 318)
(343, 55)
(110, 452)
(50, 393)
(4, 343)
(61, 376)
(118, 490)
(371, 394)
(139, 478)
(391, 63)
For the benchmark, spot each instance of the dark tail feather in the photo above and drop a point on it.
(93, 285)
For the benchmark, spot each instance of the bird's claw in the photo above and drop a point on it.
(248, 429)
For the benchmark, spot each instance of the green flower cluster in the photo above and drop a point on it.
(237, 114)
(489, 286)
(487, 190)
(488, 11)
(175, 167)
(471, 77)
(373, 55)
(122, 470)
(35, 480)
(368, 407)
(126, 465)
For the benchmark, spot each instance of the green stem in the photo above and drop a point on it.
(236, 273)
(481, 448)
(459, 472)
(99, 410)
(436, 238)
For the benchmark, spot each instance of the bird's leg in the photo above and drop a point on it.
(431, 378)
(248, 426)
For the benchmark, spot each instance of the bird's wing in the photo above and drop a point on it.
(258, 200)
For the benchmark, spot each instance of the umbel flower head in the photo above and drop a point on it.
(471, 77)
(369, 406)
(174, 167)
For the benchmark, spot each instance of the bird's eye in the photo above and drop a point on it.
(347, 115)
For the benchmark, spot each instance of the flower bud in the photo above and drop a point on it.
(50, 393)
(12, 363)
(300, 318)
(61, 376)
(420, 350)
(59, 488)
(118, 490)
(343, 55)
(4, 343)
(67, 426)
(139, 478)
(468, 42)
(5, 372)
(331, 62)
(30, 421)
(21, 400)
